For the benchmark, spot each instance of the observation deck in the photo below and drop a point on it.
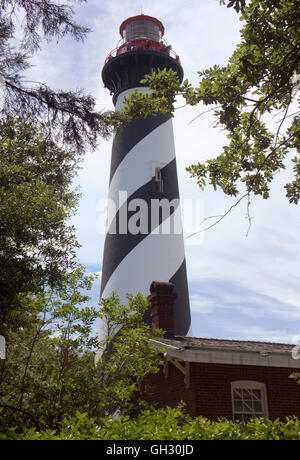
(142, 44)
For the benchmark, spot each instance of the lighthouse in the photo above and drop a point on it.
(144, 238)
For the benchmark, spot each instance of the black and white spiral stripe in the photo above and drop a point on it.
(132, 261)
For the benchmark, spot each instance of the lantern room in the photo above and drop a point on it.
(142, 33)
(142, 27)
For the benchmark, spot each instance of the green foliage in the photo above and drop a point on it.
(67, 116)
(165, 84)
(163, 424)
(43, 20)
(128, 354)
(50, 370)
(238, 5)
(258, 85)
(37, 244)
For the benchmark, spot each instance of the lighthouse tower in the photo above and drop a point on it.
(144, 240)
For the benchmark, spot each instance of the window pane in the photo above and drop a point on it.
(247, 406)
(142, 29)
(256, 394)
(237, 394)
(238, 406)
(247, 394)
(257, 406)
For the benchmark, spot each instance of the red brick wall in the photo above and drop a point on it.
(209, 394)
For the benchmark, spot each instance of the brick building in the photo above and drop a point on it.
(221, 378)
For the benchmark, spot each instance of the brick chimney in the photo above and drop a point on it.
(162, 301)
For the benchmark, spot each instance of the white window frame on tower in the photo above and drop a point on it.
(249, 400)
(158, 180)
(156, 174)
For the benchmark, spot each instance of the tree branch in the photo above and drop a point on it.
(221, 216)
(17, 409)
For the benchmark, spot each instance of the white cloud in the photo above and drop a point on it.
(260, 334)
(202, 305)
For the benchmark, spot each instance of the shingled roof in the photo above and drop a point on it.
(227, 345)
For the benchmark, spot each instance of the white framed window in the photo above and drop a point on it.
(157, 176)
(159, 185)
(249, 400)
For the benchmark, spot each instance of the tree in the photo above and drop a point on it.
(128, 354)
(50, 370)
(37, 242)
(260, 81)
(67, 116)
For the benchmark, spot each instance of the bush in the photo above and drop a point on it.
(162, 424)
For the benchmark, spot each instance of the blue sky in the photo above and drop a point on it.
(241, 287)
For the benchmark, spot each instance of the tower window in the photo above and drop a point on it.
(158, 182)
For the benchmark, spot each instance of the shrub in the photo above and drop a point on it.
(162, 424)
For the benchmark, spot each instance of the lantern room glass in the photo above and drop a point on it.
(142, 29)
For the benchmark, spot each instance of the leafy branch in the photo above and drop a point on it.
(261, 77)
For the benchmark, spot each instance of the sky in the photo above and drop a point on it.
(243, 283)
